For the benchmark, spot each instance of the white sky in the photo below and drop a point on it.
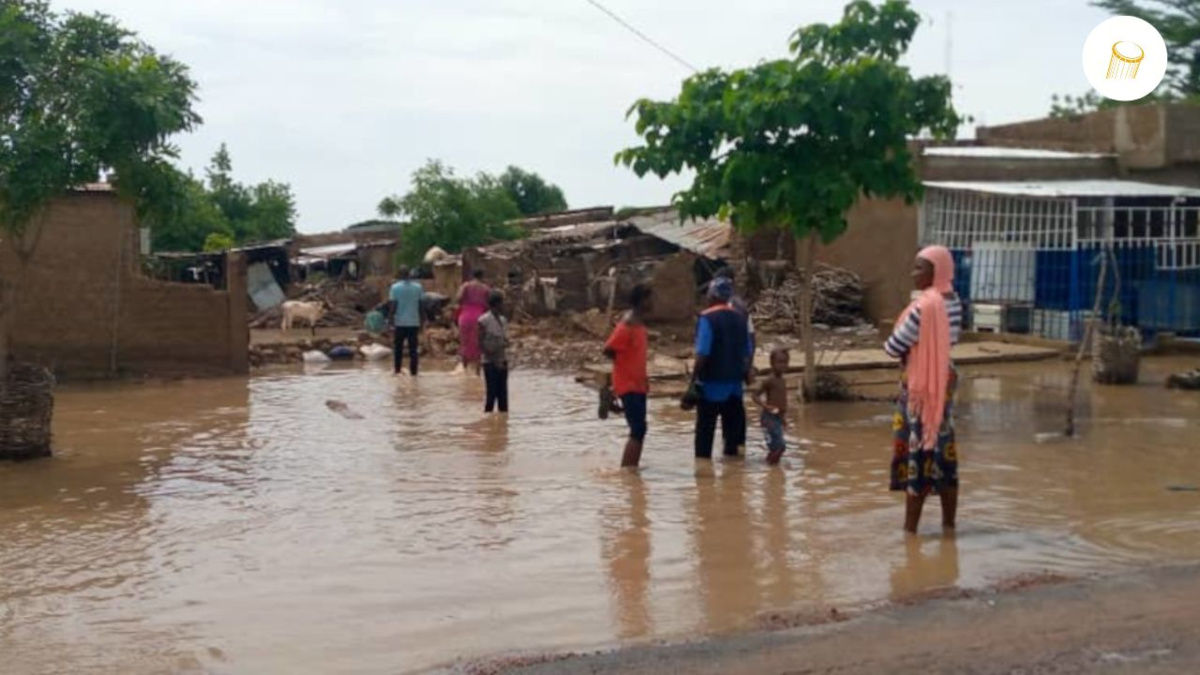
(345, 98)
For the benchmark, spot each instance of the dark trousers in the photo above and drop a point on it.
(733, 426)
(411, 335)
(496, 378)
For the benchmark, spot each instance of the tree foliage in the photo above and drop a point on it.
(218, 241)
(531, 193)
(446, 210)
(80, 96)
(1178, 21)
(795, 142)
(184, 211)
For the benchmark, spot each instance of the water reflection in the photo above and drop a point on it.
(927, 565)
(626, 548)
(723, 545)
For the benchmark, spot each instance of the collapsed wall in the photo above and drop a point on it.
(84, 308)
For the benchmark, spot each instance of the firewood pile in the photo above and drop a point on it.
(837, 301)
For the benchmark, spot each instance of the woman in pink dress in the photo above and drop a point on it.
(472, 303)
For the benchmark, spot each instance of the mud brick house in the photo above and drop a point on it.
(570, 264)
(1151, 144)
(86, 309)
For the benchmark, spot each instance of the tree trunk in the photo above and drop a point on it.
(8, 310)
(806, 317)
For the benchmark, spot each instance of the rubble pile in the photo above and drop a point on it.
(837, 301)
(283, 354)
(1188, 381)
(346, 303)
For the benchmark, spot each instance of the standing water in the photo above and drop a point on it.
(242, 526)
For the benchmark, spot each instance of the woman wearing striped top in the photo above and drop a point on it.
(925, 457)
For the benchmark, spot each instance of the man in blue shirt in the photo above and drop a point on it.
(405, 299)
(724, 353)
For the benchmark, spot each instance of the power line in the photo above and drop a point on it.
(672, 55)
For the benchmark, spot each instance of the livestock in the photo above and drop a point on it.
(295, 309)
(434, 255)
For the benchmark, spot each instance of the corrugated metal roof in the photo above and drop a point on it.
(709, 238)
(1069, 188)
(994, 152)
(258, 246)
(329, 251)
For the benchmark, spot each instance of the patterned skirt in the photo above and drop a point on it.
(918, 470)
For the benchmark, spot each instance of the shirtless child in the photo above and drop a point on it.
(772, 398)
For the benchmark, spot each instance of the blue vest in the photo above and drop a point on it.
(730, 337)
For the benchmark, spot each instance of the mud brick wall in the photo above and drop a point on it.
(85, 309)
(676, 297)
(879, 245)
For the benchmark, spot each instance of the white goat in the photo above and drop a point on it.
(311, 312)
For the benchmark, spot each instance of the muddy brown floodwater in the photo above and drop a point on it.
(242, 526)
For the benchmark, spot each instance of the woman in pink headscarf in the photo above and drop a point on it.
(925, 460)
(472, 303)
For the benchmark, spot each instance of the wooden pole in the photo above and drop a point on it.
(806, 317)
(1083, 345)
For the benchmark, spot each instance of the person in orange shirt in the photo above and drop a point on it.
(627, 347)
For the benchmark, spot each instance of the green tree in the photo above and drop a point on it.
(273, 211)
(443, 209)
(182, 211)
(178, 209)
(794, 143)
(1178, 21)
(80, 96)
(217, 242)
(531, 193)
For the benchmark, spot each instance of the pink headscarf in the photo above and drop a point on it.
(929, 360)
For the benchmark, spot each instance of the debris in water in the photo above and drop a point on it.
(342, 409)
(1051, 437)
(1183, 488)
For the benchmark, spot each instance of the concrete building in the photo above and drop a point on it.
(1149, 144)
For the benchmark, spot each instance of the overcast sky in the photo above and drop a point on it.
(345, 98)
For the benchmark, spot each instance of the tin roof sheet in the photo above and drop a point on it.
(1069, 188)
(994, 152)
(709, 238)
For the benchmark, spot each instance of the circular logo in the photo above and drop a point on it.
(1125, 58)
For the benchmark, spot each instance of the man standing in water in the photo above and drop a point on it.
(627, 347)
(723, 362)
(738, 302)
(406, 320)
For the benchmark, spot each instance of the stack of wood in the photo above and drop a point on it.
(837, 301)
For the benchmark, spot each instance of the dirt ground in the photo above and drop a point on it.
(1146, 622)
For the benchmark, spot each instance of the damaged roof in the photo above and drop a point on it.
(709, 238)
(1069, 188)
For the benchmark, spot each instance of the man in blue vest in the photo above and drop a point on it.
(405, 297)
(724, 354)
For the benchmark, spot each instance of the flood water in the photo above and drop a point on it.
(241, 526)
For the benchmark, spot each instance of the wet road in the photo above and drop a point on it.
(241, 526)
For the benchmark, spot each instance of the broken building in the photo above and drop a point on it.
(85, 308)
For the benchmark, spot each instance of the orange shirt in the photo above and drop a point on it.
(629, 344)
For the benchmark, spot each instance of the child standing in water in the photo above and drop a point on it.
(493, 344)
(772, 398)
(627, 347)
